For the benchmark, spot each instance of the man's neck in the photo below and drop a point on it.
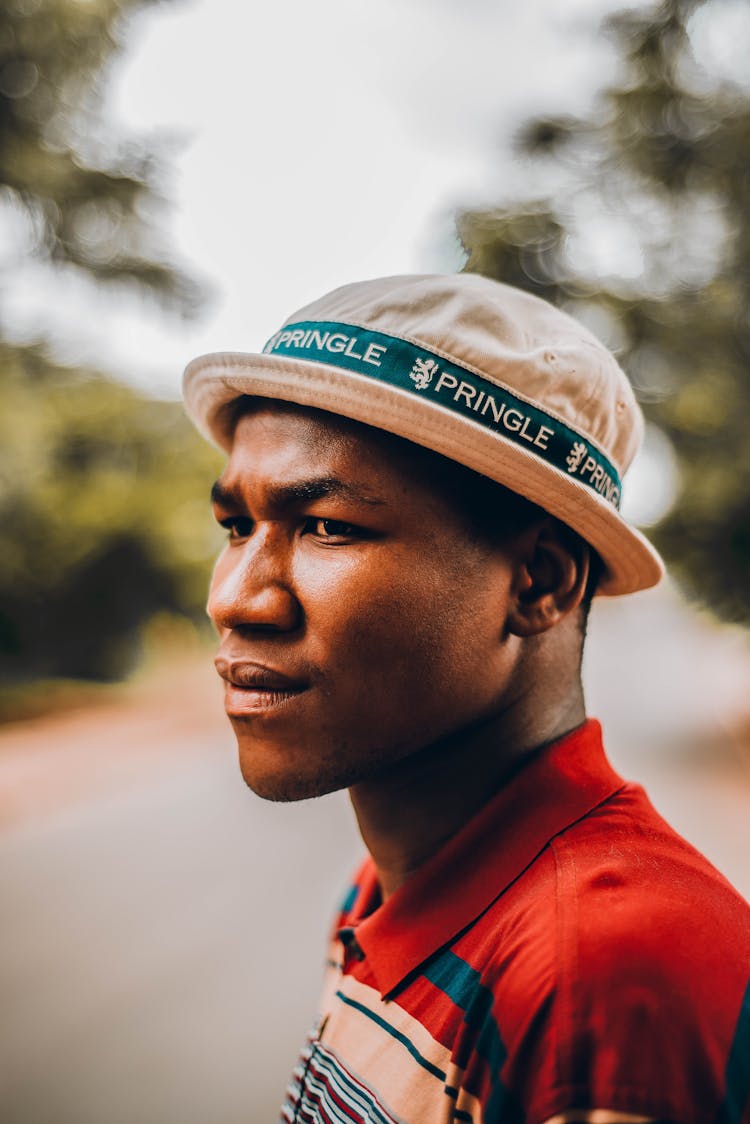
(407, 812)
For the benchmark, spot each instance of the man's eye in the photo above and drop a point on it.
(239, 526)
(331, 529)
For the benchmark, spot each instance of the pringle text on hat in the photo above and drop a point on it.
(326, 341)
(412, 367)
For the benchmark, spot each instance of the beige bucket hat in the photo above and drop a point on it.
(483, 373)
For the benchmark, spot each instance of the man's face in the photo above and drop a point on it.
(359, 619)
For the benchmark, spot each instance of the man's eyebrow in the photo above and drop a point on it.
(299, 491)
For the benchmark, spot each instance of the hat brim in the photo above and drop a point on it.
(211, 382)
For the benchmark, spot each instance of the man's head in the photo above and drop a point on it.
(374, 598)
(421, 496)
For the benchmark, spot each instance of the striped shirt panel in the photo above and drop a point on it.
(368, 1046)
(324, 1090)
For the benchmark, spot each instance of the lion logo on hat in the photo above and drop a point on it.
(422, 372)
(576, 455)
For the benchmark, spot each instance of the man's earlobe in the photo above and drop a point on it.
(550, 580)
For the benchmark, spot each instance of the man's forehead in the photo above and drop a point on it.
(297, 454)
(287, 431)
(307, 453)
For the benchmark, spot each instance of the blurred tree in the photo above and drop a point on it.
(103, 524)
(91, 199)
(101, 528)
(637, 224)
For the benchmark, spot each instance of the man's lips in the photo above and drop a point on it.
(253, 686)
(256, 676)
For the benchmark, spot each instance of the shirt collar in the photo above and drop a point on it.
(559, 785)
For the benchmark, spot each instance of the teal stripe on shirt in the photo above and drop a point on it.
(463, 986)
(424, 1062)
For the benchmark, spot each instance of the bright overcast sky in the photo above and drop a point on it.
(319, 143)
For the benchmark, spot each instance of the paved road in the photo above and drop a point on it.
(162, 927)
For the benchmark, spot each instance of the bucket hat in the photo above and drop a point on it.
(483, 373)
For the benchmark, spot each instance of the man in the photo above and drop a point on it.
(421, 498)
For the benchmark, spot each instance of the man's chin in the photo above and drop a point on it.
(286, 772)
(287, 790)
(285, 784)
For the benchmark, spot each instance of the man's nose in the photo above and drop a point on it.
(250, 588)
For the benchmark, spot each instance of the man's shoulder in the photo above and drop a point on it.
(626, 880)
(618, 918)
(619, 963)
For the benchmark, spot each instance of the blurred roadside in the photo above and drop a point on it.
(109, 740)
(163, 928)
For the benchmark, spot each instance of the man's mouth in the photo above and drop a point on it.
(252, 687)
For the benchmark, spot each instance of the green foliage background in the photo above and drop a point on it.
(100, 487)
(105, 519)
(664, 159)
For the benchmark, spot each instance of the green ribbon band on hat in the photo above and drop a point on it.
(428, 376)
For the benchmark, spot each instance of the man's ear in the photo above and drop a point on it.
(552, 567)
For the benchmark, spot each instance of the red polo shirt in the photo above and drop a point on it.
(566, 955)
